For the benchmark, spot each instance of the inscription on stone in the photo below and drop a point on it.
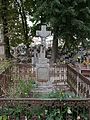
(43, 73)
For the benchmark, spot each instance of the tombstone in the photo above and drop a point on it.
(42, 67)
(2, 44)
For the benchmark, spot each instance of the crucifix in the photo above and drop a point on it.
(43, 34)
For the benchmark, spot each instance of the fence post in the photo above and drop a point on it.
(66, 72)
(77, 83)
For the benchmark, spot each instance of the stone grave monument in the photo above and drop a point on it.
(2, 44)
(42, 67)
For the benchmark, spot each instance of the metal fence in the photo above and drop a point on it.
(58, 76)
(13, 74)
(5, 78)
(23, 71)
(79, 83)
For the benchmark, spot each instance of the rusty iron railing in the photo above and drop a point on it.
(58, 76)
(23, 71)
(12, 75)
(5, 77)
(79, 83)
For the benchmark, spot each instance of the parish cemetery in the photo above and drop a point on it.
(35, 87)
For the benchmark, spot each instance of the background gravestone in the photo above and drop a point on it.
(2, 44)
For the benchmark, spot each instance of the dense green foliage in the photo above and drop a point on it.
(43, 113)
(18, 29)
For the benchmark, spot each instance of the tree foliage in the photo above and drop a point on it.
(69, 20)
(18, 28)
(4, 16)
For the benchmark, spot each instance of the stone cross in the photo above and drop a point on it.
(43, 34)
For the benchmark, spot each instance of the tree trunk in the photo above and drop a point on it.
(5, 28)
(55, 45)
(25, 24)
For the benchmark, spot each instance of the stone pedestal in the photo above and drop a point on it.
(43, 78)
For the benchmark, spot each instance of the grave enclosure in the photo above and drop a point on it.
(58, 74)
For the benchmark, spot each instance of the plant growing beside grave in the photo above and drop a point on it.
(22, 88)
(60, 95)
